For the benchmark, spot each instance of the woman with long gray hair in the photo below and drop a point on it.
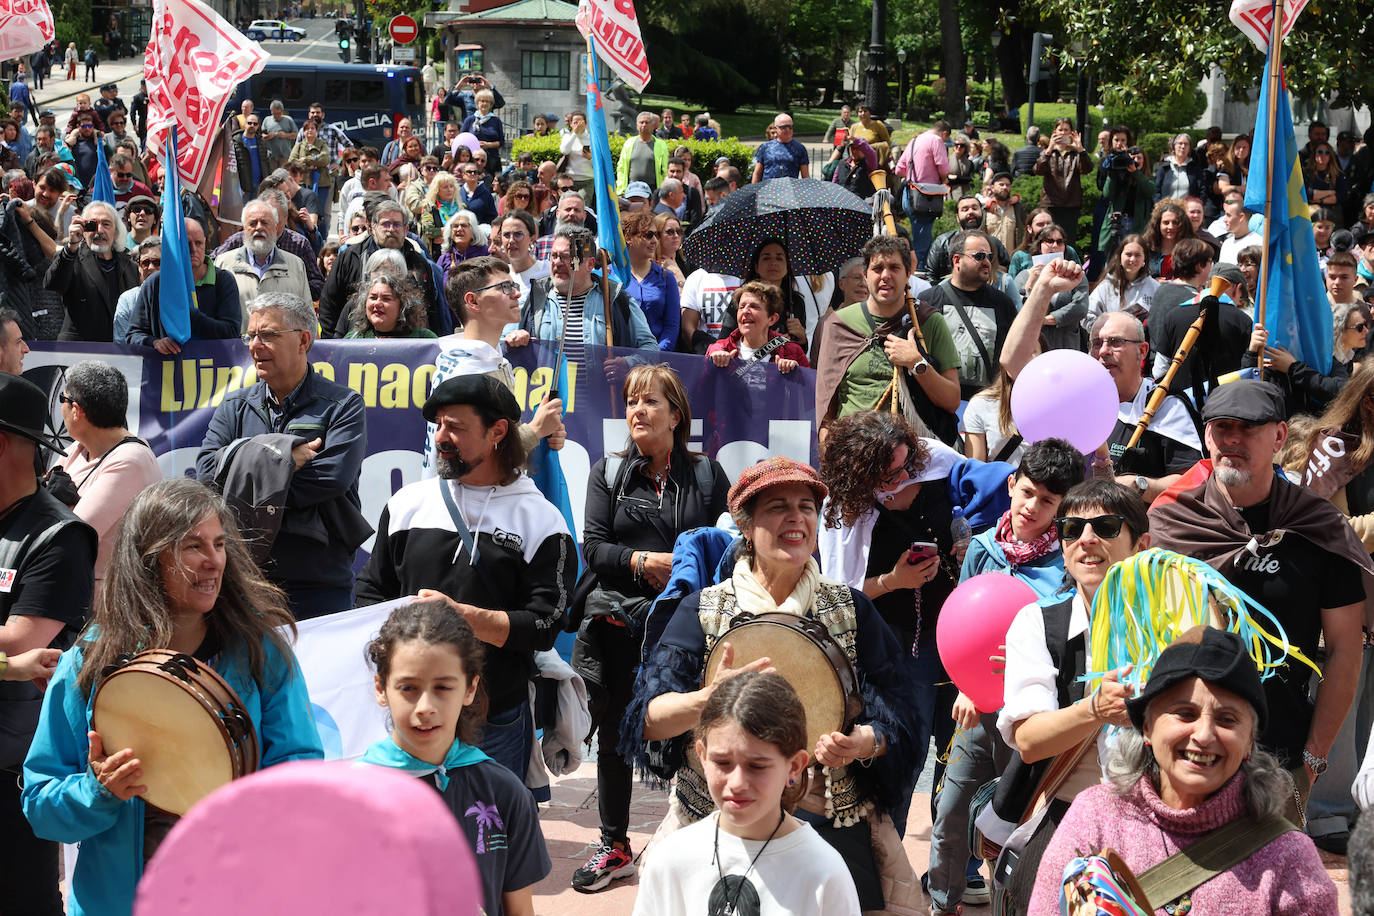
(1186, 769)
(388, 306)
(180, 578)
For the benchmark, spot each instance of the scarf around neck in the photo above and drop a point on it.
(753, 598)
(387, 753)
(1020, 552)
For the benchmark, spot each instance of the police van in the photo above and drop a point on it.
(366, 100)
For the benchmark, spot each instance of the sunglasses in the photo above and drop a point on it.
(1106, 527)
(1112, 343)
(143, 208)
(671, 232)
(979, 256)
(910, 469)
(63, 399)
(150, 262)
(1358, 328)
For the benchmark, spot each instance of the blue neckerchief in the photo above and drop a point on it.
(387, 753)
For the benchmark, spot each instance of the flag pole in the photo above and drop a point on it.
(1275, 77)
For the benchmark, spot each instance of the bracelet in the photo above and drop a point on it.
(639, 569)
(868, 761)
(883, 585)
(4, 664)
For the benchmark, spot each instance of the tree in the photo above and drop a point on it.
(1150, 49)
(952, 55)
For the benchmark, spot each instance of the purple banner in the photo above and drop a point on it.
(739, 415)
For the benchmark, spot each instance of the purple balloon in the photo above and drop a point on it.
(466, 139)
(1065, 394)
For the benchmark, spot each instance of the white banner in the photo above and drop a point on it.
(192, 64)
(1256, 19)
(343, 697)
(615, 29)
(25, 27)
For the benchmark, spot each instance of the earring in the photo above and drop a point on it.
(748, 547)
(791, 782)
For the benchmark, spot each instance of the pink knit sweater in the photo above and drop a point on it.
(1285, 876)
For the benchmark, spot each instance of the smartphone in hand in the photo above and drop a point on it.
(920, 551)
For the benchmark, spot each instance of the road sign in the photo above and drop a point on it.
(403, 29)
(402, 55)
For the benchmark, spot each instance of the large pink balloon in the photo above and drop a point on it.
(1065, 394)
(314, 839)
(467, 139)
(973, 622)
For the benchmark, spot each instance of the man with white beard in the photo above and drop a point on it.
(389, 223)
(216, 315)
(89, 272)
(259, 266)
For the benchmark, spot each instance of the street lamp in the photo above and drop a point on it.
(996, 39)
(875, 87)
(901, 82)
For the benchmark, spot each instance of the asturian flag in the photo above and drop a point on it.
(192, 64)
(1256, 19)
(608, 234)
(1296, 309)
(25, 27)
(612, 25)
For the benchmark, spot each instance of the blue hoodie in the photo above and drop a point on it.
(1045, 575)
(65, 802)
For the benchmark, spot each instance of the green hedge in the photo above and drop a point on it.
(704, 152)
(1156, 146)
(1176, 112)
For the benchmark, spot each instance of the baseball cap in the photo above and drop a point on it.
(638, 189)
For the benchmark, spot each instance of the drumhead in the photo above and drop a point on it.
(183, 750)
(800, 661)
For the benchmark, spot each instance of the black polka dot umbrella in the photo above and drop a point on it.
(822, 223)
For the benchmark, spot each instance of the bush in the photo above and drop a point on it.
(1157, 146)
(704, 152)
(1178, 112)
(924, 98)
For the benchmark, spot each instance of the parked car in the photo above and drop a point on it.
(274, 29)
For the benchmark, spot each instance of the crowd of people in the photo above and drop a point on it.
(924, 482)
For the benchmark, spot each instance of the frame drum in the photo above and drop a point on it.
(184, 723)
(805, 654)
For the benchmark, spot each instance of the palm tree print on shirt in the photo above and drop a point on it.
(488, 822)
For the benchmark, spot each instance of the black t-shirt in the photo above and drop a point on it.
(1159, 455)
(501, 821)
(1223, 354)
(1294, 579)
(57, 583)
(926, 520)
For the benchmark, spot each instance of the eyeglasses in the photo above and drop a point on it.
(1052, 242)
(561, 257)
(63, 399)
(910, 469)
(1112, 343)
(784, 126)
(267, 335)
(150, 262)
(979, 256)
(1071, 527)
(390, 224)
(507, 287)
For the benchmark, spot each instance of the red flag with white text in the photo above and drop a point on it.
(194, 60)
(25, 27)
(615, 28)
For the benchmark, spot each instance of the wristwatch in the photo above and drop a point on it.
(1318, 764)
(921, 367)
(1142, 483)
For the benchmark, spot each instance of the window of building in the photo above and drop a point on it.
(544, 70)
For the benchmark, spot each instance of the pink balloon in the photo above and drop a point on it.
(972, 625)
(466, 139)
(1065, 394)
(314, 839)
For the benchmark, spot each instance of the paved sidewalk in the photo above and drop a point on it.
(571, 827)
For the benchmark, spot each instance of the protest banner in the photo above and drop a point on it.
(737, 418)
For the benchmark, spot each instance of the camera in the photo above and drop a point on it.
(1118, 161)
(90, 225)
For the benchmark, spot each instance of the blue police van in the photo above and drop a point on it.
(366, 100)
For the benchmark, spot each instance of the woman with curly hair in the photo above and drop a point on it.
(1169, 225)
(464, 238)
(519, 196)
(180, 578)
(389, 306)
(887, 532)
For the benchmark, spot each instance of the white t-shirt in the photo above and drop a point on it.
(797, 875)
(708, 295)
(1234, 246)
(982, 417)
(537, 271)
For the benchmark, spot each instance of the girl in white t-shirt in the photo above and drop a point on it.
(750, 857)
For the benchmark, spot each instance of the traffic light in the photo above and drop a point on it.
(345, 42)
